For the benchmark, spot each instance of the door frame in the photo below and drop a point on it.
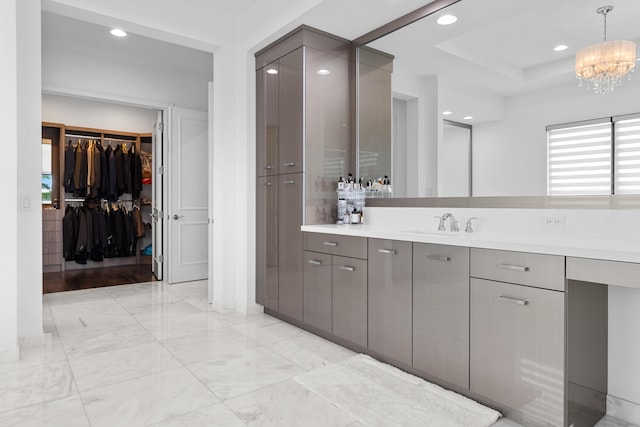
(131, 102)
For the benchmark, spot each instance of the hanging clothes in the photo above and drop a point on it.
(69, 168)
(136, 175)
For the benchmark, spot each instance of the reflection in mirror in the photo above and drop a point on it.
(495, 69)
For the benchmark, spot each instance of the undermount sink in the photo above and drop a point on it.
(432, 233)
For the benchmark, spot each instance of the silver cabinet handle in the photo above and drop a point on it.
(267, 184)
(387, 251)
(347, 268)
(514, 300)
(268, 167)
(290, 164)
(512, 267)
(439, 258)
(176, 216)
(315, 262)
(332, 244)
(289, 182)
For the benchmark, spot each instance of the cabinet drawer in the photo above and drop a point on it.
(540, 271)
(517, 348)
(349, 246)
(317, 290)
(349, 299)
(607, 272)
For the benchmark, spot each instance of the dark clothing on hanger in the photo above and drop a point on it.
(69, 168)
(136, 175)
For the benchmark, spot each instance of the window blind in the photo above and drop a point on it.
(627, 156)
(579, 159)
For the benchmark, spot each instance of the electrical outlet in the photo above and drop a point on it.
(553, 222)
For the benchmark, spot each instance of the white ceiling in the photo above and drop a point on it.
(505, 47)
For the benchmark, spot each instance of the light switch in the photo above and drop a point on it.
(26, 203)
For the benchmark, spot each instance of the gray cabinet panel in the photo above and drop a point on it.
(267, 242)
(317, 290)
(541, 271)
(390, 297)
(290, 244)
(350, 299)
(517, 348)
(350, 246)
(267, 121)
(441, 312)
(291, 112)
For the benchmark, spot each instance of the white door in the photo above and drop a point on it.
(187, 213)
(157, 189)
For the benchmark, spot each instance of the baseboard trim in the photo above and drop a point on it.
(623, 410)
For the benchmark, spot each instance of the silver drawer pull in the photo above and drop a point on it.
(268, 167)
(439, 258)
(332, 244)
(289, 182)
(267, 184)
(514, 300)
(387, 251)
(315, 262)
(512, 267)
(347, 268)
(290, 164)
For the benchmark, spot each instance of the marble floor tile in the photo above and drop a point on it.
(236, 319)
(187, 324)
(146, 313)
(219, 414)
(67, 412)
(70, 297)
(197, 289)
(48, 349)
(112, 367)
(270, 333)
(311, 352)
(99, 338)
(240, 373)
(208, 345)
(146, 400)
(104, 306)
(35, 384)
(146, 297)
(608, 421)
(135, 289)
(287, 404)
(503, 422)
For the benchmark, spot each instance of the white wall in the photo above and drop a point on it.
(73, 111)
(8, 176)
(509, 156)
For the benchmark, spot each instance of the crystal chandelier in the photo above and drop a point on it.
(602, 66)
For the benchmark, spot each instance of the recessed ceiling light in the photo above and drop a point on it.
(118, 32)
(560, 47)
(272, 71)
(323, 72)
(447, 113)
(468, 117)
(447, 19)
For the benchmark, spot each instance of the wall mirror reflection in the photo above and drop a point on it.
(505, 69)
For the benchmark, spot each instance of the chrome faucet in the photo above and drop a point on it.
(453, 224)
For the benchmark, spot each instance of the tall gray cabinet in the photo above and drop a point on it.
(302, 147)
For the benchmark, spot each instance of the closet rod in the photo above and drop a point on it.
(70, 135)
(121, 140)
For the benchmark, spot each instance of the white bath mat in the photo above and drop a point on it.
(377, 394)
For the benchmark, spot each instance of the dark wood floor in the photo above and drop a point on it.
(96, 278)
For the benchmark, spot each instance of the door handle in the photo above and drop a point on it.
(176, 216)
(289, 182)
(332, 244)
(268, 167)
(290, 164)
(517, 301)
(347, 268)
(315, 262)
(267, 184)
(439, 257)
(387, 251)
(512, 267)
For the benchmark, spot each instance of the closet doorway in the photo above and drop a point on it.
(100, 193)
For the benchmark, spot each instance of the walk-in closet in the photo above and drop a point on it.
(96, 194)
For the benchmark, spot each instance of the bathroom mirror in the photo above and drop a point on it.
(500, 70)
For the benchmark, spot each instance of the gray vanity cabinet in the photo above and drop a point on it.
(290, 244)
(441, 312)
(317, 290)
(517, 345)
(267, 120)
(390, 296)
(267, 242)
(291, 111)
(349, 299)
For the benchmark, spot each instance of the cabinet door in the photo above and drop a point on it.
(441, 312)
(317, 290)
(290, 245)
(291, 112)
(390, 299)
(267, 243)
(350, 299)
(267, 120)
(517, 348)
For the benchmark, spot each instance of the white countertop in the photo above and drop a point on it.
(596, 248)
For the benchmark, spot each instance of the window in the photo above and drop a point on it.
(597, 157)
(47, 173)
